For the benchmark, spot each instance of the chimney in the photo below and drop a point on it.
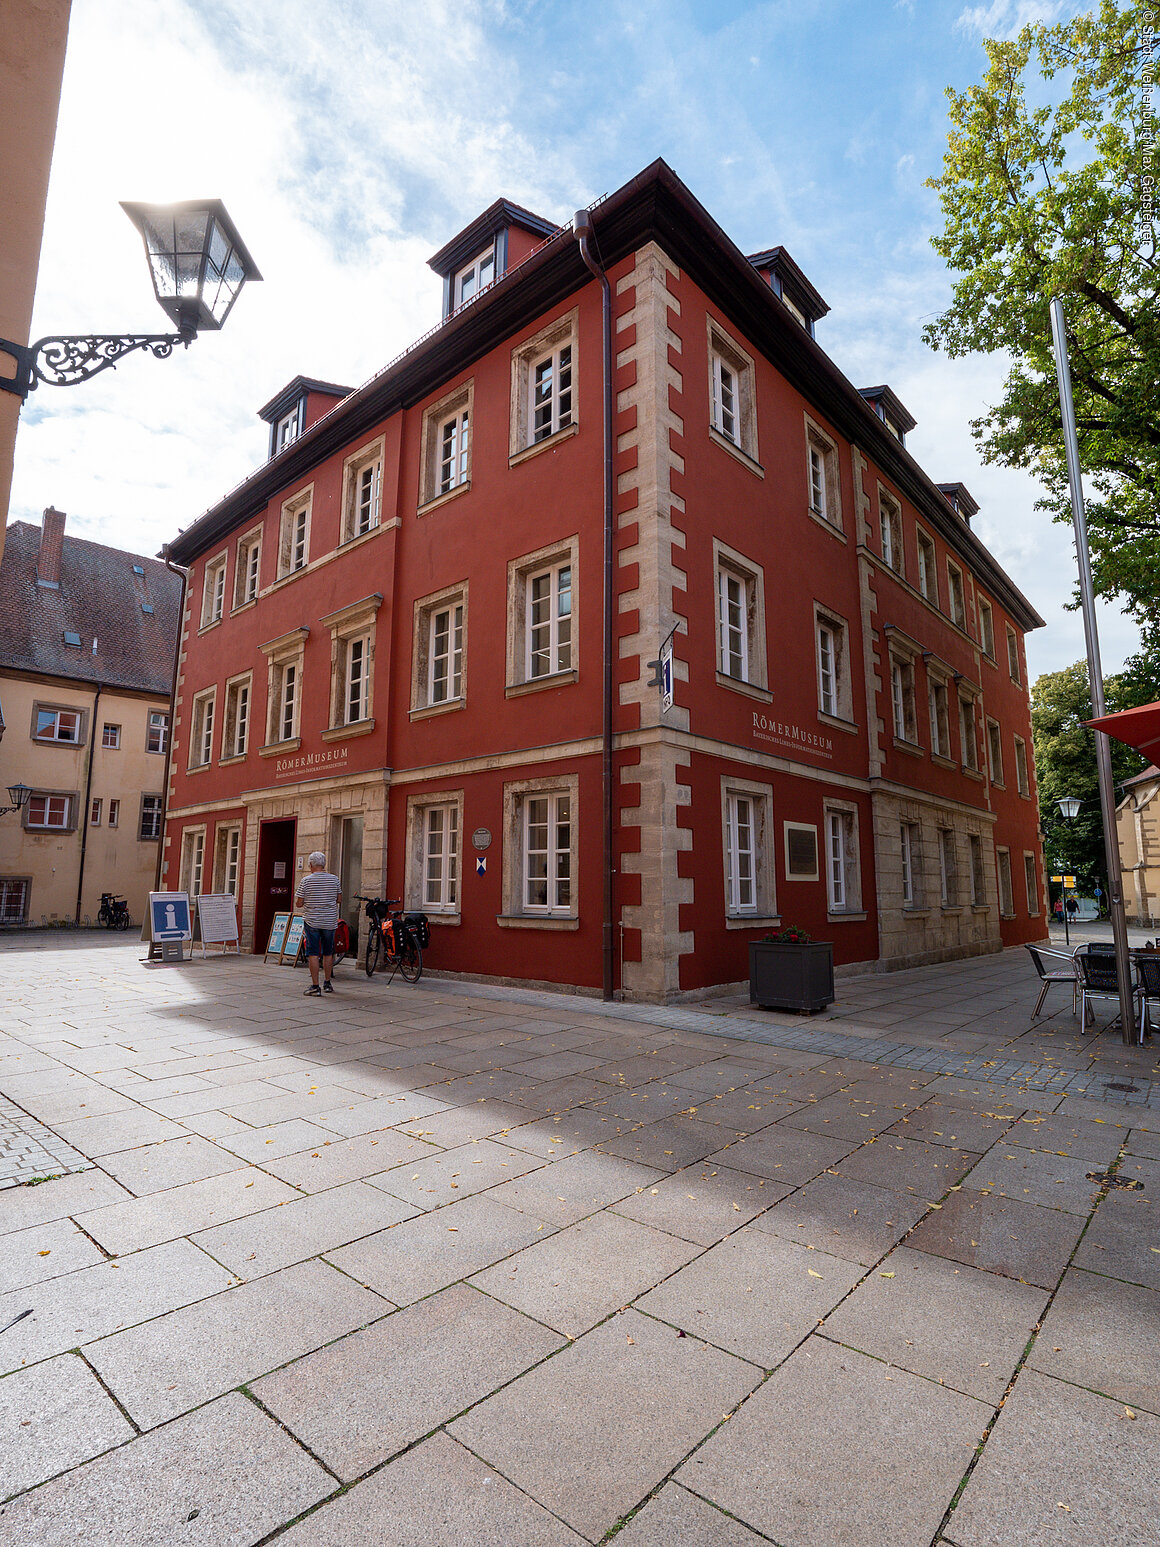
(51, 546)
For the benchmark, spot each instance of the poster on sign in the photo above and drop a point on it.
(292, 944)
(277, 937)
(217, 916)
(169, 916)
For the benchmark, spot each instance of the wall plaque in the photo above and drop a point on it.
(481, 838)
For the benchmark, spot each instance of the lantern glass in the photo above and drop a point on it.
(197, 260)
(18, 794)
(1069, 805)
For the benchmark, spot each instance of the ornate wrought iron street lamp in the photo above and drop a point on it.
(199, 264)
(18, 794)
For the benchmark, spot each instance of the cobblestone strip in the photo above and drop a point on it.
(28, 1149)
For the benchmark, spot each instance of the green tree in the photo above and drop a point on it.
(1065, 761)
(1043, 194)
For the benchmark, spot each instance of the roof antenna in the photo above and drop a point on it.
(94, 644)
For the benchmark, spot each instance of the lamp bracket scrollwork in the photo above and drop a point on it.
(65, 360)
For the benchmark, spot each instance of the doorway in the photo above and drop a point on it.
(275, 885)
(349, 836)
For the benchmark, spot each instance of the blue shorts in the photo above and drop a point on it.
(319, 942)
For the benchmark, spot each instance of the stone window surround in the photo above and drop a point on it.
(566, 551)
(1031, 883)
(925, 542)
(198, 830)
(1022, 768)
(415, 871)
(199, 702)
(229, 754)
(221, 849)
(905, 653)
(764, 913)
(515, 794)
(954, 569)
(985, 609)
(158, 810)
(302, 499)
(353, 465)
(554, 335)
(80, 710)
(995, 746)
(852, 911)
(287, 649)
(1003, 852)
(73, 818)
(424, 609)
(723, 345)
(355, 621)
(211, 617)
(458, 400)
(844, 689)
(827, 447)
(756, 684)
(969, 699)
(801, 827)
(1014, 667)
(242, 550)
(890, 514)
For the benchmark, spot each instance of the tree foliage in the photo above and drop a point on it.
(1042, 193)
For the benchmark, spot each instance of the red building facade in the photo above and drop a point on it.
(394, 648)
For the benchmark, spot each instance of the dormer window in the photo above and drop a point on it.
(791, 287)
(893, 413)
(288, 428)
(475, 277)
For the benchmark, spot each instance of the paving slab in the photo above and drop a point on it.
(367, 1396)
(926, 1170)
(941, 1319)
(754, 1295)
(45, 1251)
(957, 1127)
(52, 1417)
(163, 1216)
(479, 1120)
(578, 1276)
(429, 1252)
(444, 1176)
(438, 1494)
(1102, 1334)
(702, 1203)
(304, 1227)
(842, 1116)
(346, 1160)
(575, 1186)
(1001, 1235)
(92, 1302)
(784, 1154)
(122, 1130)
(178, 1361)
(838, 1450)
(1076, 1136)
(563, 1133)
(1061, 1466)
(855, 1220)
(1120, 1238)
(677, 1518)
(261, 1145)
(546, 1095)
(1141, 1142)
(631, 1377)
(1037, 1176)
(224, 1477)
(742, 1111)
(382, 1112)
(155, 1167)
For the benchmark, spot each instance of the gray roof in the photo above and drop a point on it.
(99, 597)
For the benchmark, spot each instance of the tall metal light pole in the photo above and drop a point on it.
(1095, 674)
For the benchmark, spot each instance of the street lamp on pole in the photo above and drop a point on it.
(1069, 809)
(18, 794)
(199, 264)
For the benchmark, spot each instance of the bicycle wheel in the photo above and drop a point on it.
(374, 952)
(411, 960)
(104, 917)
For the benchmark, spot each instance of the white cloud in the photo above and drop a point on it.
(1004, 18)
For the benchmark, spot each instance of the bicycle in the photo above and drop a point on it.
(113, 912)
(341, 941)
(394, 938)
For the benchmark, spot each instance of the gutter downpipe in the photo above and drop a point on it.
(88, 798)
(584, 233)
(183, 575)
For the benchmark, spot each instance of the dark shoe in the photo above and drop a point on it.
(327, 988)
(313, 991)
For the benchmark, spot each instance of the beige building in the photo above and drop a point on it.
(86, 659)
(1138, 834)
(32, 47)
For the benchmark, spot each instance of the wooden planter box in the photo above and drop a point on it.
(791, 977)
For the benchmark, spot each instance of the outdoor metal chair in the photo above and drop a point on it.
(1148, 975)
(1049, 973)
(1097, 980)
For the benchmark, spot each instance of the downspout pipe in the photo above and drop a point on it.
(586, 236)
(183, 576)
(85, 812)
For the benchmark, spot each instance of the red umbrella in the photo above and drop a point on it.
(1139, 728)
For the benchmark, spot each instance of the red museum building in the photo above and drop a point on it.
(395, 646)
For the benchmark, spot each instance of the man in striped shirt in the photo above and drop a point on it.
(318, 897)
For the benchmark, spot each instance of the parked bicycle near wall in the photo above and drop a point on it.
(113, 912)
(395, 939)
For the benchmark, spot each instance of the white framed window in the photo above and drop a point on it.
(111, 737)
(236, 724)
(833, 667)
(157, 731)
(823, 484)
(1022, 782)
(902, 700)
(542, 599)
(1031, 882)
(288, 428)
(358, 652)
(201, 728)
(1006, 891)
(474, 277)
(95, 809)
(725, 409)
(152, 811)
(909, 839)
(286, 702)
(438, 651)
(63, 725)
(213, 596)
(544, 385)
(1013, 655)
(958, 606)
(49, 811)
(978, 872)
(541, 848)
(248, 568)
(927, 567)
(434, 838)
(114, 813)
(967, 733)
(946, 867)
(741, 653)
(362, 491)
(193, 860)
(843, 866)
(732, 394)
(294, 534)
(747, 847)
(228, 858)
(986, 627)
(995, 751)
(445, 454)
(940, 718)
(890, 522)
(284, 658)
(352, 656)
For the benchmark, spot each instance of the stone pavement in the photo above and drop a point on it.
(469, 1266)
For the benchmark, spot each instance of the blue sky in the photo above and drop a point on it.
(351, 138)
